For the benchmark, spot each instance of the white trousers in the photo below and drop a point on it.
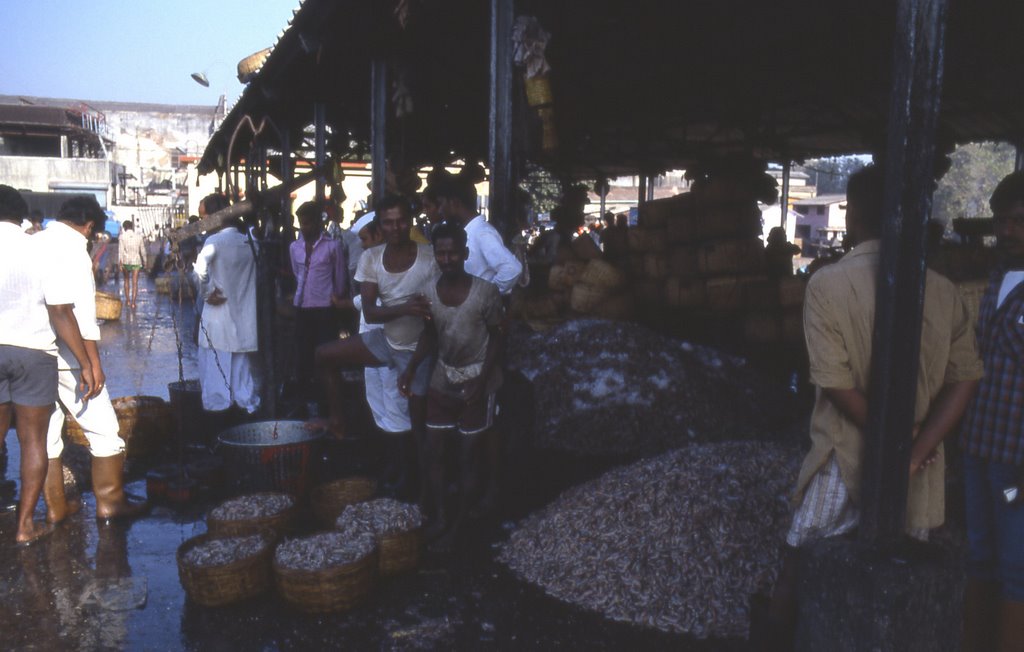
(96, 416)
(234, 381)
(390, 409)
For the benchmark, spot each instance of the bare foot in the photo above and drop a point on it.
(38, 530)
(335, 430)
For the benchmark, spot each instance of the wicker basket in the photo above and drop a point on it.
(108, 306)
(602, 274)
(399, 552)
(339, 588)
(279, 524)
(564, 276)
(144, 422)
(214, 586)
(330, 500)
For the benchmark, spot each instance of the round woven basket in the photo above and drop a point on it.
(334, 589)
(599, 273)
(279, 524)
(144, 423)
(330, 500)
(399, 552)
(214, 586)
(108, 306)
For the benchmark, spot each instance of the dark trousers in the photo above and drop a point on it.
(313, 327)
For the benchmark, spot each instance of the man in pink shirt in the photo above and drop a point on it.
(320, 265)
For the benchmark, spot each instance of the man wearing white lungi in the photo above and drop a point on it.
(226, 268)
(66, 239)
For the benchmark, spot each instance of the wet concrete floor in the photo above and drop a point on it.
(90, 587)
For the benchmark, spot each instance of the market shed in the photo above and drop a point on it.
(636, 87)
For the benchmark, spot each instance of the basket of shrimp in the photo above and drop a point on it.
(219, 571)
(327, 572)
(262, 512)
(396, 526)
(329, 500)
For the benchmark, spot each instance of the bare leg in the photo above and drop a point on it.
(469, 455)
(135, 287)
(32, 425)
(331, 358)
(432, 467)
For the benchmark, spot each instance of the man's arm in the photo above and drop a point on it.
(425, 346)
(66, 326)
(93, 351)
(497, 256)
(852, 404)
(416, 306)
(943, 416)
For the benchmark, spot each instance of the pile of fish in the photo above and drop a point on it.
(245, 508)
(608, 388)
(677, 542)
(218, 552)
(322, 551)
(380, 517)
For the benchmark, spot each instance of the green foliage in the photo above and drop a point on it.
(544, 189)
(976, 169)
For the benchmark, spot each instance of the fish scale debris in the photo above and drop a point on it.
(677, 542)
(609, 388)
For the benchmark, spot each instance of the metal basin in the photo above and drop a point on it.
(270, 456)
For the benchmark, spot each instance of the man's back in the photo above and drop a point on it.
(23, 317)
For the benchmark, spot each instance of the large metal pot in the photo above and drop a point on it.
(270, 456)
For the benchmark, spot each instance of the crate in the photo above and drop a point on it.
(684, 261)
(684, 292)
(724, 257)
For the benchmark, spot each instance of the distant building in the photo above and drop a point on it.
(821, 223)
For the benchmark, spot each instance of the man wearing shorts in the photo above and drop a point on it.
(464, 332)
(33, 304)
(131, 255)
(398, 274)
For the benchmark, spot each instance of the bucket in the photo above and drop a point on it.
(269, 456)
(187, 407)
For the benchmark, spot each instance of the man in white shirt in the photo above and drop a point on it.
(131, 255)
(226, 269)
(32, 307)
(489, 258)
(67, 238)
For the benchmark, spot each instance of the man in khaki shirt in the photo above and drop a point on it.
(839, 314)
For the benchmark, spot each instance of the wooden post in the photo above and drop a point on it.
(320, 136)
(267, 261)
(784, 195)
(909, 168)
(378, 126)
(500, 141)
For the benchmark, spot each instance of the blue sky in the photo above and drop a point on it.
(133, 50)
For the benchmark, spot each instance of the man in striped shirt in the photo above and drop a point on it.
(993, 443)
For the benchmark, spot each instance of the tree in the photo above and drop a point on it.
(976, 169)
(830, 175)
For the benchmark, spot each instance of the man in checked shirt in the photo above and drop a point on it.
(993, 443)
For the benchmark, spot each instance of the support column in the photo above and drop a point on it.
(500, 212)
(881, 592)
(642, 192)
(784, 196)
(320, 135)
(378, 126)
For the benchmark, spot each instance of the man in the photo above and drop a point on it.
(320, 266)
(839, 314)
(489, 258)
(993, 443)
(492, 261)
(226, 270)
(131, 256)
(67, 237)
(33, 304)
(465, 334)
(397, 274)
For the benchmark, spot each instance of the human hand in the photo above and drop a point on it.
(417, 306)
(216, 298)
(405, 383)
(87, 385)
(918, 464)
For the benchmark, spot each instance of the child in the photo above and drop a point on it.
(464, 330)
